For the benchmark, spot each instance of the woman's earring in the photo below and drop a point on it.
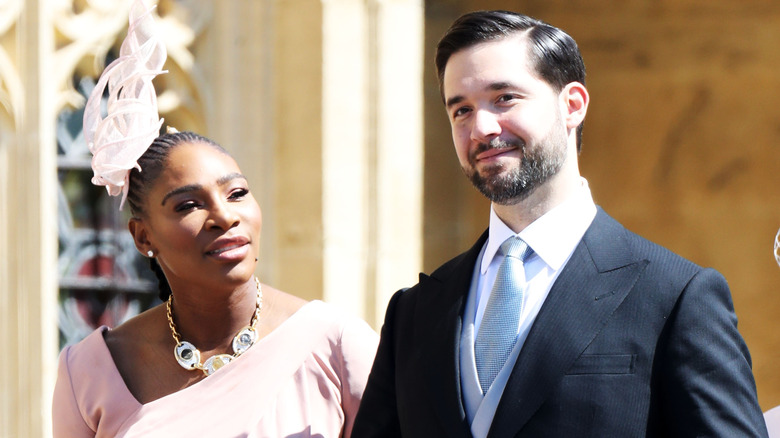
(150, 253)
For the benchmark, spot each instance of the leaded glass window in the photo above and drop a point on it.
(103, 279)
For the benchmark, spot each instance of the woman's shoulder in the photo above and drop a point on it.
(91, 349)
(92, 358)
(343, 340)
(88, 378)
(278, 308)
(315, 316)
(343, 330)
(282, 302)
(141, 328)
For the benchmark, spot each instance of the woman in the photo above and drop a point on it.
(223, 355)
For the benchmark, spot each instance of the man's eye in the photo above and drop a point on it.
(460, 111)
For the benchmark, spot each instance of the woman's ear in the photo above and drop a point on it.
(140, 235)
(575, 98)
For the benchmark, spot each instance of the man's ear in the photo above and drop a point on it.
(140, 235)
(575, 100)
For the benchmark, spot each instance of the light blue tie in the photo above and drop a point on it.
(498, 331)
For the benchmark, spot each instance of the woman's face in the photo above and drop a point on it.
(201, 221)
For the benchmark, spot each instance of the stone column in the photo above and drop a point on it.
(397, 159)
(236, 60)
(348, 149)
(28, 277)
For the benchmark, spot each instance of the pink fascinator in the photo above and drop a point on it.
(132, 121)
(777, 247)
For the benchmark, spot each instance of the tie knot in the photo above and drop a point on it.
(516, 247)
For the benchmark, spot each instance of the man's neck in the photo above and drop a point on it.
(546, 197)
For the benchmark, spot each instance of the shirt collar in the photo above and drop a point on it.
(553, 236)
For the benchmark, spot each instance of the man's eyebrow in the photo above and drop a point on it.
(194, 187)
(495, 86)
(454, 101)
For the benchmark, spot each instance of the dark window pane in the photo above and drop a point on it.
(103, 279)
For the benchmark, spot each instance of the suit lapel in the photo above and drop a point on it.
(440, 308)
(597, 278)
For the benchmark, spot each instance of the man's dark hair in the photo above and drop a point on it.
(553, 53)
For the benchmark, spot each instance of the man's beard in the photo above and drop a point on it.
(538, 164)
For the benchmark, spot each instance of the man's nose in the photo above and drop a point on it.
(486, 126)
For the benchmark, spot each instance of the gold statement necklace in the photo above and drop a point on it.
(189, 357)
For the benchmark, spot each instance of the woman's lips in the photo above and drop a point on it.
(229, 249)
(230, 253)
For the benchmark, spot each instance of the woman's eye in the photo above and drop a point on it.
(506, 98)
(238, 194)
(186, 206)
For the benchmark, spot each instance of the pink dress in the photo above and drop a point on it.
(304, 379)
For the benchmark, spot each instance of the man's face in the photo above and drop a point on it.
(507, 123)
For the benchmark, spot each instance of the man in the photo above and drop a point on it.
(589, 330)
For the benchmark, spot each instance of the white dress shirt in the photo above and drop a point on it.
(553, 237)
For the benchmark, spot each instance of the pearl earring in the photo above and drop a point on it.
(150, 253)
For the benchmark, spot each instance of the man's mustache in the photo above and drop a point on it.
(498, 143)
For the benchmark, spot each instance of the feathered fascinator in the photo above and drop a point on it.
(132, 121)
(777, 247)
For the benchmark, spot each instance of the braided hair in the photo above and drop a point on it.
(152, 163)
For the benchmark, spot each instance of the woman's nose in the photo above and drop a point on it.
(223, 216)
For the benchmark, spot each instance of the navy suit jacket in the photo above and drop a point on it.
(632, 341)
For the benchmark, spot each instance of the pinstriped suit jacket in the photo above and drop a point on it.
(632, 341)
